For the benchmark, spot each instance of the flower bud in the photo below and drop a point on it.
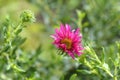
(27, 16)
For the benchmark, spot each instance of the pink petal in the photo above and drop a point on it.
(71, 54)
(68, 28)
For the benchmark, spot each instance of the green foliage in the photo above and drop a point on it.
(102, 66)
(103, 17)
(10, 44)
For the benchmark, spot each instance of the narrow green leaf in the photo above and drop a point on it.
(85, 71)
(18, 31)
(16, 67)
(73, 77)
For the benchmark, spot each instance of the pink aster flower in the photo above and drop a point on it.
(68, 40)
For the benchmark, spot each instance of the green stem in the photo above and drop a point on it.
(18, 27)
(115, 75)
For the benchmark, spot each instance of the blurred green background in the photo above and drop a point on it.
(99, 21)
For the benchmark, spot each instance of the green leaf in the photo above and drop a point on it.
(16, 67)
(85, 71)
(18, 31)
(80, 14)
(73, 77)
(103, 55)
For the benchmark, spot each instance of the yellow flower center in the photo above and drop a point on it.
(67, 42)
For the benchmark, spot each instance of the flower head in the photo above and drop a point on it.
(68, 40)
